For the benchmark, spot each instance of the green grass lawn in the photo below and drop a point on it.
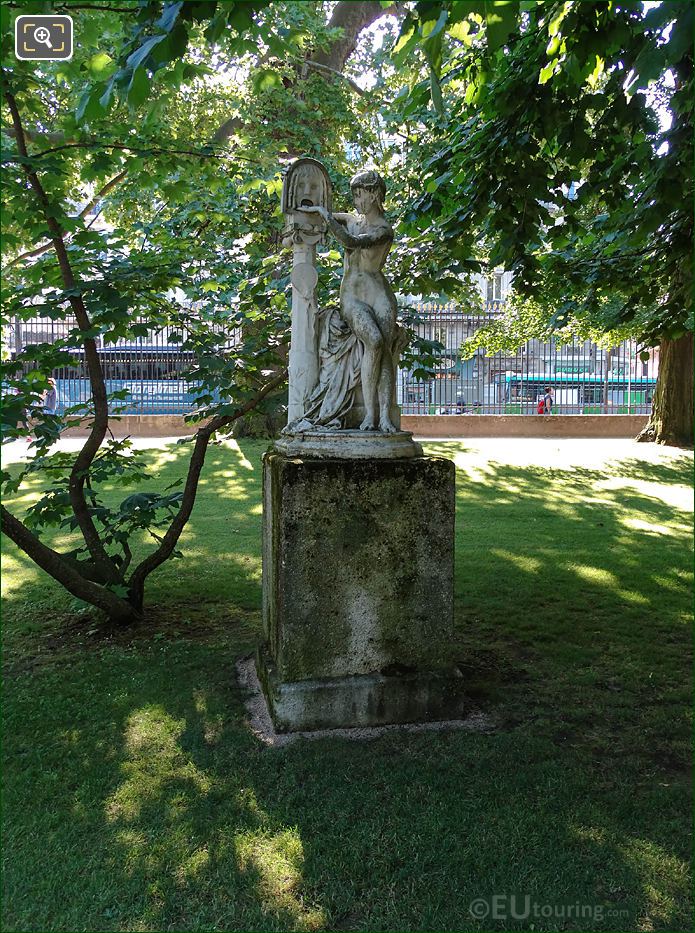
(136, 798)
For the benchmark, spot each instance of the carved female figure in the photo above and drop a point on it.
(367, 303)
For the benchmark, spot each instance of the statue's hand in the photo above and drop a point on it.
(318, 209)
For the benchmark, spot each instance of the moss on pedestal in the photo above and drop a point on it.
(358, 565)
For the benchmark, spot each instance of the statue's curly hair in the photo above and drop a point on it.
(369, 178)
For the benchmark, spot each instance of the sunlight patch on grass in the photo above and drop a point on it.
(247, 800)
(671, 494)
(277, 859)
(169, 454)
(193, 867)
(599, 576)
(667, 880)
(522, 561)
(476, 468)
(243, 460)
(134, 845)
(593, 834)
(638, 524)
(155, 761)
(675, 582)
(15, 572)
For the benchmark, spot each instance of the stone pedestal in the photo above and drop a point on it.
(358, 591)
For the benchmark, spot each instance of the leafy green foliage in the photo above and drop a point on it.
(566, 150)
(116, 464)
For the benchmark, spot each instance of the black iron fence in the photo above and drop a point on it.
(149, 371)
(584, 378)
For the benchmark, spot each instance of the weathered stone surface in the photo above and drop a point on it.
(364, 700)
(343, 363)
(353, 444)
(358, 584)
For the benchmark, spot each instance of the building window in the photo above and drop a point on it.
(494, 287)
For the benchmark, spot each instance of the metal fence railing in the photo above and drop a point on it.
(585, 378)
(150, 370)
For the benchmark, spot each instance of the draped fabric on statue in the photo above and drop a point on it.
(340, 353)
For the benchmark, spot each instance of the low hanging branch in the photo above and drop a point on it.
(66, 571)
(101, 579)
(83, 461)
(61, 569)
(39, 250)
(202, 439)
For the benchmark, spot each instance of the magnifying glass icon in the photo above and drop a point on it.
(43, 35)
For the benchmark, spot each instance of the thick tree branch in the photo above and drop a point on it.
(140, 150)
(67, 7)
(229, 127)
(352, 18)
(86, 455)
(136, 583)
(57, 567)
(33, 136)
(324, 68)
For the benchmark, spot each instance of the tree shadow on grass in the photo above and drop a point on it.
(573, 606)
(137, 798)
(146, 804)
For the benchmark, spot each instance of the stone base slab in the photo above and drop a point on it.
(361, 445)
(362, 701)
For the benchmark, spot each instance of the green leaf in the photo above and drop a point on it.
(139, 87)
(139, 55)
(650, 64)
(169, 16)
(554, 25)
(434, 26)
(500, 18)
(90, 106)
(547, 72)
(408, 37)
(265, 79)
(433, 53)
(436, 88)
(462, 32)
(100, 64)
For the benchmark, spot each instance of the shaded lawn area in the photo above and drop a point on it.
(136, 798)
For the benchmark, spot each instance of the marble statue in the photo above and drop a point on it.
(306, 184)
(341, 361)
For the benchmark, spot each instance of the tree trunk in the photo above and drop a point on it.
(671, 421)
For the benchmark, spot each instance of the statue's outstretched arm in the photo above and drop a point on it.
(335, 225)
(361, 240)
